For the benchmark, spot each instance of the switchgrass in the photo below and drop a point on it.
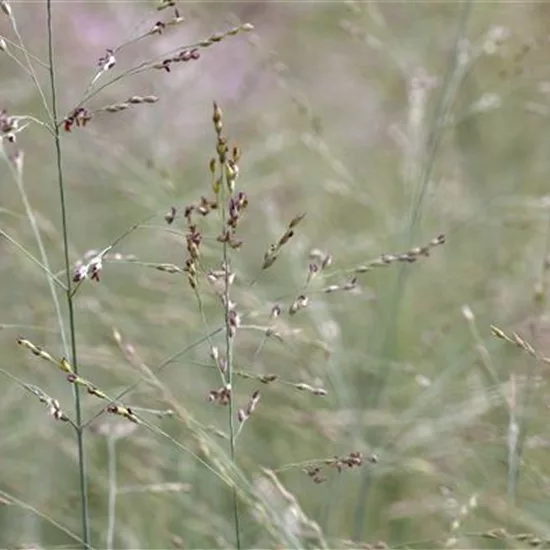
(280, 286)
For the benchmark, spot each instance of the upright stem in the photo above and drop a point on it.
(69, 294)
(111, 448)
(229, 355)
(232, 433)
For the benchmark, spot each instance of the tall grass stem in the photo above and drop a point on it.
(69, 296)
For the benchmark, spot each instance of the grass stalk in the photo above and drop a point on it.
(386, 326)
(69, 295)
(111, 449)
(521, 424)
(229, 359)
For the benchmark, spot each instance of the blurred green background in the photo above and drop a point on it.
(388, 123)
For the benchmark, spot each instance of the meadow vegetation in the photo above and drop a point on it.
(274, 275)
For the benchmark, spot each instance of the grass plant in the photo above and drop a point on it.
(274, 275)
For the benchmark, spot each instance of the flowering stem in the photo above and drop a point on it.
(70, 305)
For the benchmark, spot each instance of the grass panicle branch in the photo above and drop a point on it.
(224, 187)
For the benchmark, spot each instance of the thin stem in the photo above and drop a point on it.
(232, 434)
(523, 422)
(229, 357)
(51, 276)
(386, 324)
(45, 263)
(452, 80)
(38, 512)
(70, 305)
(207, 328)
(111, 449)
(13, 44)
(31, 71)
(512, 440)
(161, 366)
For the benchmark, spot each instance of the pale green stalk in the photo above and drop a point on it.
(69, 297)
(229, 364)
(385, 334)
(111, 514)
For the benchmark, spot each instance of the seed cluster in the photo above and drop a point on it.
(81, 115)
(410, 256)
(354, 460)
(519, 342)
(244, 414)
(273, 251)
(8, 126)
(64, 365)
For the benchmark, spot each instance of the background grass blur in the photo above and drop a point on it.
(388, 124)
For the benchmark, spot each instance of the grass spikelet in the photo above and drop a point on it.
(519, 342)
(273, 251)
(410, 256)
(124, 412)
(54, 408)
(6, 8)
(63, 364)
(302, 386)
